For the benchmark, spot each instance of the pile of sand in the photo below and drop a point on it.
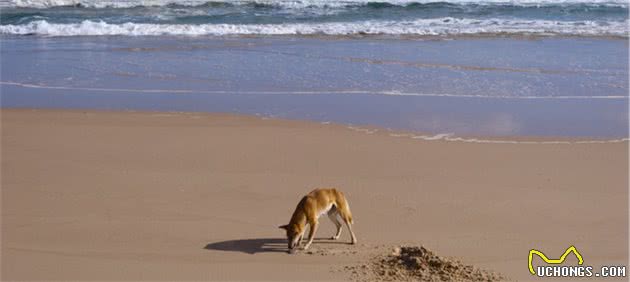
(420, 264)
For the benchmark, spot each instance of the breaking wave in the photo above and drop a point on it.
(439, 27)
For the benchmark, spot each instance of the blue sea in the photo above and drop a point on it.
(491, 68)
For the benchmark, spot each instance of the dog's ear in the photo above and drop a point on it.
(285, 227)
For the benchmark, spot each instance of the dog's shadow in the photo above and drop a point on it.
(254, 246)
(250, 246)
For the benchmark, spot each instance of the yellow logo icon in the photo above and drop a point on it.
(553, 261)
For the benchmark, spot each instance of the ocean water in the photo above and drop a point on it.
(314, 17)
(554, 68)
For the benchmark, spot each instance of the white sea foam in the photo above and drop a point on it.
(441, 136)
(449, 137)
(438, 26)
(297, 92)
(364, 130)
(282, 3)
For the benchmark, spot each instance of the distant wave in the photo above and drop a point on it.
(281, 3)
(439, 27)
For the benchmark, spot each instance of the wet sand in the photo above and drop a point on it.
(180, 196)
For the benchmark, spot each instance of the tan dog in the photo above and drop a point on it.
(310, 208)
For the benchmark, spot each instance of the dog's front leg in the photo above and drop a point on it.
(311, 233)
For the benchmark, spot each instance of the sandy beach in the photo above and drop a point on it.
(192, 196)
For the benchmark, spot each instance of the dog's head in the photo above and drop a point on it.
(293, 236)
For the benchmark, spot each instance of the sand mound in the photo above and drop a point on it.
(408, 263)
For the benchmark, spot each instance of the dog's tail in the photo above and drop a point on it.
(343, 207)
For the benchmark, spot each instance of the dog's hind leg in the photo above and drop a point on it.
(344, 211)
(345, 214)
(332, 214)
(349, 225)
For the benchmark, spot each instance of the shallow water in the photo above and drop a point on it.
(570, 87)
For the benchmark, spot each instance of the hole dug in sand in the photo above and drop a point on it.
(410, 263)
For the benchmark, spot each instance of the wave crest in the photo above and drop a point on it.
(435, 27)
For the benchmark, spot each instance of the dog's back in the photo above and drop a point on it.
(322, 200)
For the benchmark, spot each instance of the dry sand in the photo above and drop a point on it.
(180, 196)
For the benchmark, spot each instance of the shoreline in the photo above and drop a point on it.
(362, 128)
(154, 195)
